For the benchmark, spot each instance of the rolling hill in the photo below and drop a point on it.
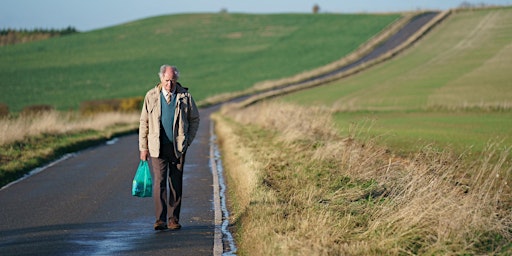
(216, 53)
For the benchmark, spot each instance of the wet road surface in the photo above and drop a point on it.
(83, 205)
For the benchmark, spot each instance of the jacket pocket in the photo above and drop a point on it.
(181, 143)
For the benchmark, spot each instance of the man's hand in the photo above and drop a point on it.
(144, 155)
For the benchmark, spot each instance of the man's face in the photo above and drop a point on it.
(168, 79)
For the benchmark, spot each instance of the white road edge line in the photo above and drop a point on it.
(217, 243)
(222, 233)
(40, 169)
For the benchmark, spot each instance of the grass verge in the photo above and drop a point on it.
(307, 190)
(24, 147)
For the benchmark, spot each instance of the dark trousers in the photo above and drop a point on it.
(167, 170)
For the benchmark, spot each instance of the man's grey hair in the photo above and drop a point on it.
(174, 69)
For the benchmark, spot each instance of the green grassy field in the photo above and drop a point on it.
(454, 87)
(215, 53)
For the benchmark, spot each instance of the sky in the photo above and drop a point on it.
(86, 15)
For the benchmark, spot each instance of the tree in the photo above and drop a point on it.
(316, 8)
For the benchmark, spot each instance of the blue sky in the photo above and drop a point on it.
(86, 15)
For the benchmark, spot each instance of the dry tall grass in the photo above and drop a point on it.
(54, 122)
(309, 191)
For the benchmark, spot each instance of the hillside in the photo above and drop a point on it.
(216, 53)
(452, 87)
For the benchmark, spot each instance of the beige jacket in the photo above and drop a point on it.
(186, 121)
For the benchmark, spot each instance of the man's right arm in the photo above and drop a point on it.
(143, 131)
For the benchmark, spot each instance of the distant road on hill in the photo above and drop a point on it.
(391, 43)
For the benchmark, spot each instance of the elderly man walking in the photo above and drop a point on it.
(168, 124)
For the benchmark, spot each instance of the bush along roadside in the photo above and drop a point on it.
(109, 105)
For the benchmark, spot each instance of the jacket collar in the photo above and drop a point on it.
(179, 88)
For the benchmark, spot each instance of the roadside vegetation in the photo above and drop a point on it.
(32, 140)
(412, 157)
(298, 186)
(39, 133)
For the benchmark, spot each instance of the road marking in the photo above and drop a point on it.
(39, 169)
(219, 197)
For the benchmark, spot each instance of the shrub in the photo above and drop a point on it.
(111, 105)
(131, 104)
(4, 110)
(36, 109)
(97, 106)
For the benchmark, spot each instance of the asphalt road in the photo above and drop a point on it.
(82, 205)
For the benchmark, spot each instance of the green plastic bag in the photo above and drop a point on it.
(142, 184)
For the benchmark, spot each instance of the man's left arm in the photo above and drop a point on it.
(193, 121)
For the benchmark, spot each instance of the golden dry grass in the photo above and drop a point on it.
(54, 122)
(314, 192)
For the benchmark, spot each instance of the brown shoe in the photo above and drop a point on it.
(173, 224)
(160, 225)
